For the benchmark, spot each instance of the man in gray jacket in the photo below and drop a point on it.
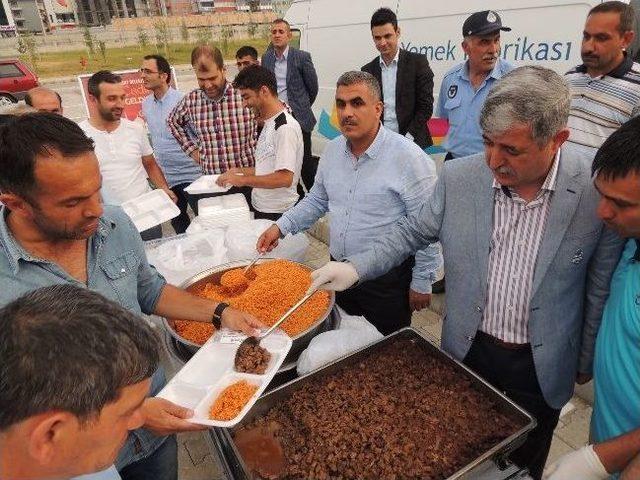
(528, 260)
(297, 87)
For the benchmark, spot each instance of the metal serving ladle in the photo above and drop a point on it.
(250, 341)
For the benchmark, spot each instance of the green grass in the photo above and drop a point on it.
(62, 64)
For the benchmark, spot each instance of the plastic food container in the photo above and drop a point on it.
(206, 184)
(203, 378)
(151, 209)
(222, 210)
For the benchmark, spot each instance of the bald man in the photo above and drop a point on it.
(44, 99)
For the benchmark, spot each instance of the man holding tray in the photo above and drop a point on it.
(279, 150)
(54, 229)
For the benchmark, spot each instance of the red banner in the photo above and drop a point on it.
(133, 87)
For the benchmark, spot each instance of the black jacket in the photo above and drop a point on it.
(414, 94)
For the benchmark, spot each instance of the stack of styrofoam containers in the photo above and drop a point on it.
(222, 210)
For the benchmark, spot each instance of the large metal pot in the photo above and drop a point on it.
(300, 341)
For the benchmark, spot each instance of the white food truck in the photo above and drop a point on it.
(338, 36)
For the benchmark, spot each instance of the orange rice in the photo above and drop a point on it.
(232, 400)
(277, 286)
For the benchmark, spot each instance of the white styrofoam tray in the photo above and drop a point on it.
(223, 204)
(151, 209)
(206, 184)
(199, 383)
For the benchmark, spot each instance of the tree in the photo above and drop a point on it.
(252, 29)
(89, 40)
(143, 38)
(226, 34)
(184, 31)
(203, 35)
(102, 46)
(28, 48)
(163, 36)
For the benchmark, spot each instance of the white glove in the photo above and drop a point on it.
(336, 276)
(582, 464)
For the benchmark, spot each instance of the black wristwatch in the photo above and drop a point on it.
(216, 319)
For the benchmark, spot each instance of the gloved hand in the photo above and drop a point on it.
(582, 464)
(336, 276)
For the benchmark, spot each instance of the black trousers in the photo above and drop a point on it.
(513, 372)
(309, 164)
(383, 301)
(268, 216)
(182, 221)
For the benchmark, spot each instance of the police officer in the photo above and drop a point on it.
(465, 87)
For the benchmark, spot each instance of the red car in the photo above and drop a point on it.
(15, 80)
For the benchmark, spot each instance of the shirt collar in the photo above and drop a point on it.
(495, 73)
(166, 95)
(374, 149)
(618, 72)
(15, 252)
(285, 54)
(549, 182)
(394, 61)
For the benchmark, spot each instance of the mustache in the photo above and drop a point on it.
(490, 57)
(348, 121)
(504, 171)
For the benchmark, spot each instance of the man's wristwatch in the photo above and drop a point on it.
(216, 319)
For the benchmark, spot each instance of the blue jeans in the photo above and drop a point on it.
(160, 465)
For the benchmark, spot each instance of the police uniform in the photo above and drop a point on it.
(460, 104)
(458, 101)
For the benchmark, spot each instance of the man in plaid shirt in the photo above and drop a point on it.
(224, 131)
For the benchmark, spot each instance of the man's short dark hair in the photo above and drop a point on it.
(281, 20)
(67, 348)
(27, 136)
(207, 51)
(162, 64)
(29, 101)
(382, 16)
(256, 76)
(619, 155)
(626, 12)
(247, 50)
(103, 76)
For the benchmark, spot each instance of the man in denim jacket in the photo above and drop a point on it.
(54, 229)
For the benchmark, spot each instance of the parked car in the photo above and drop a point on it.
(15, 80)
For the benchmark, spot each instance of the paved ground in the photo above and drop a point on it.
(197, 462)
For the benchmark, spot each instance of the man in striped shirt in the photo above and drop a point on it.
(528, 260)
(225, 131)
(605, 89)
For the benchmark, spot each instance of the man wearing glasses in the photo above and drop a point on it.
(179, 169)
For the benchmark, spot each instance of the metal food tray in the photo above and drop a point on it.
(212, 275)
(489, 460)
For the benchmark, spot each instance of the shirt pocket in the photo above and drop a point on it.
(454, 112)
(122, 276)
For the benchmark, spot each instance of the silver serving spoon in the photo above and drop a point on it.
(251, 341)
(253, 262)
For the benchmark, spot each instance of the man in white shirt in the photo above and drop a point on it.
(279, 150)
(122, 147)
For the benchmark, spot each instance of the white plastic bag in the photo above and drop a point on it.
(241, 239)
(186, 255)
(354, 333)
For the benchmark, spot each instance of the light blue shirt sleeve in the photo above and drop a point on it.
(440, 111)
(311, 208)
(411, 233)
(419, 185)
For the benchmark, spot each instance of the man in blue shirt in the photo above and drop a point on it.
(615, 424)
(368, 178)
(465, 87)
(54, 229)
(179, 169)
